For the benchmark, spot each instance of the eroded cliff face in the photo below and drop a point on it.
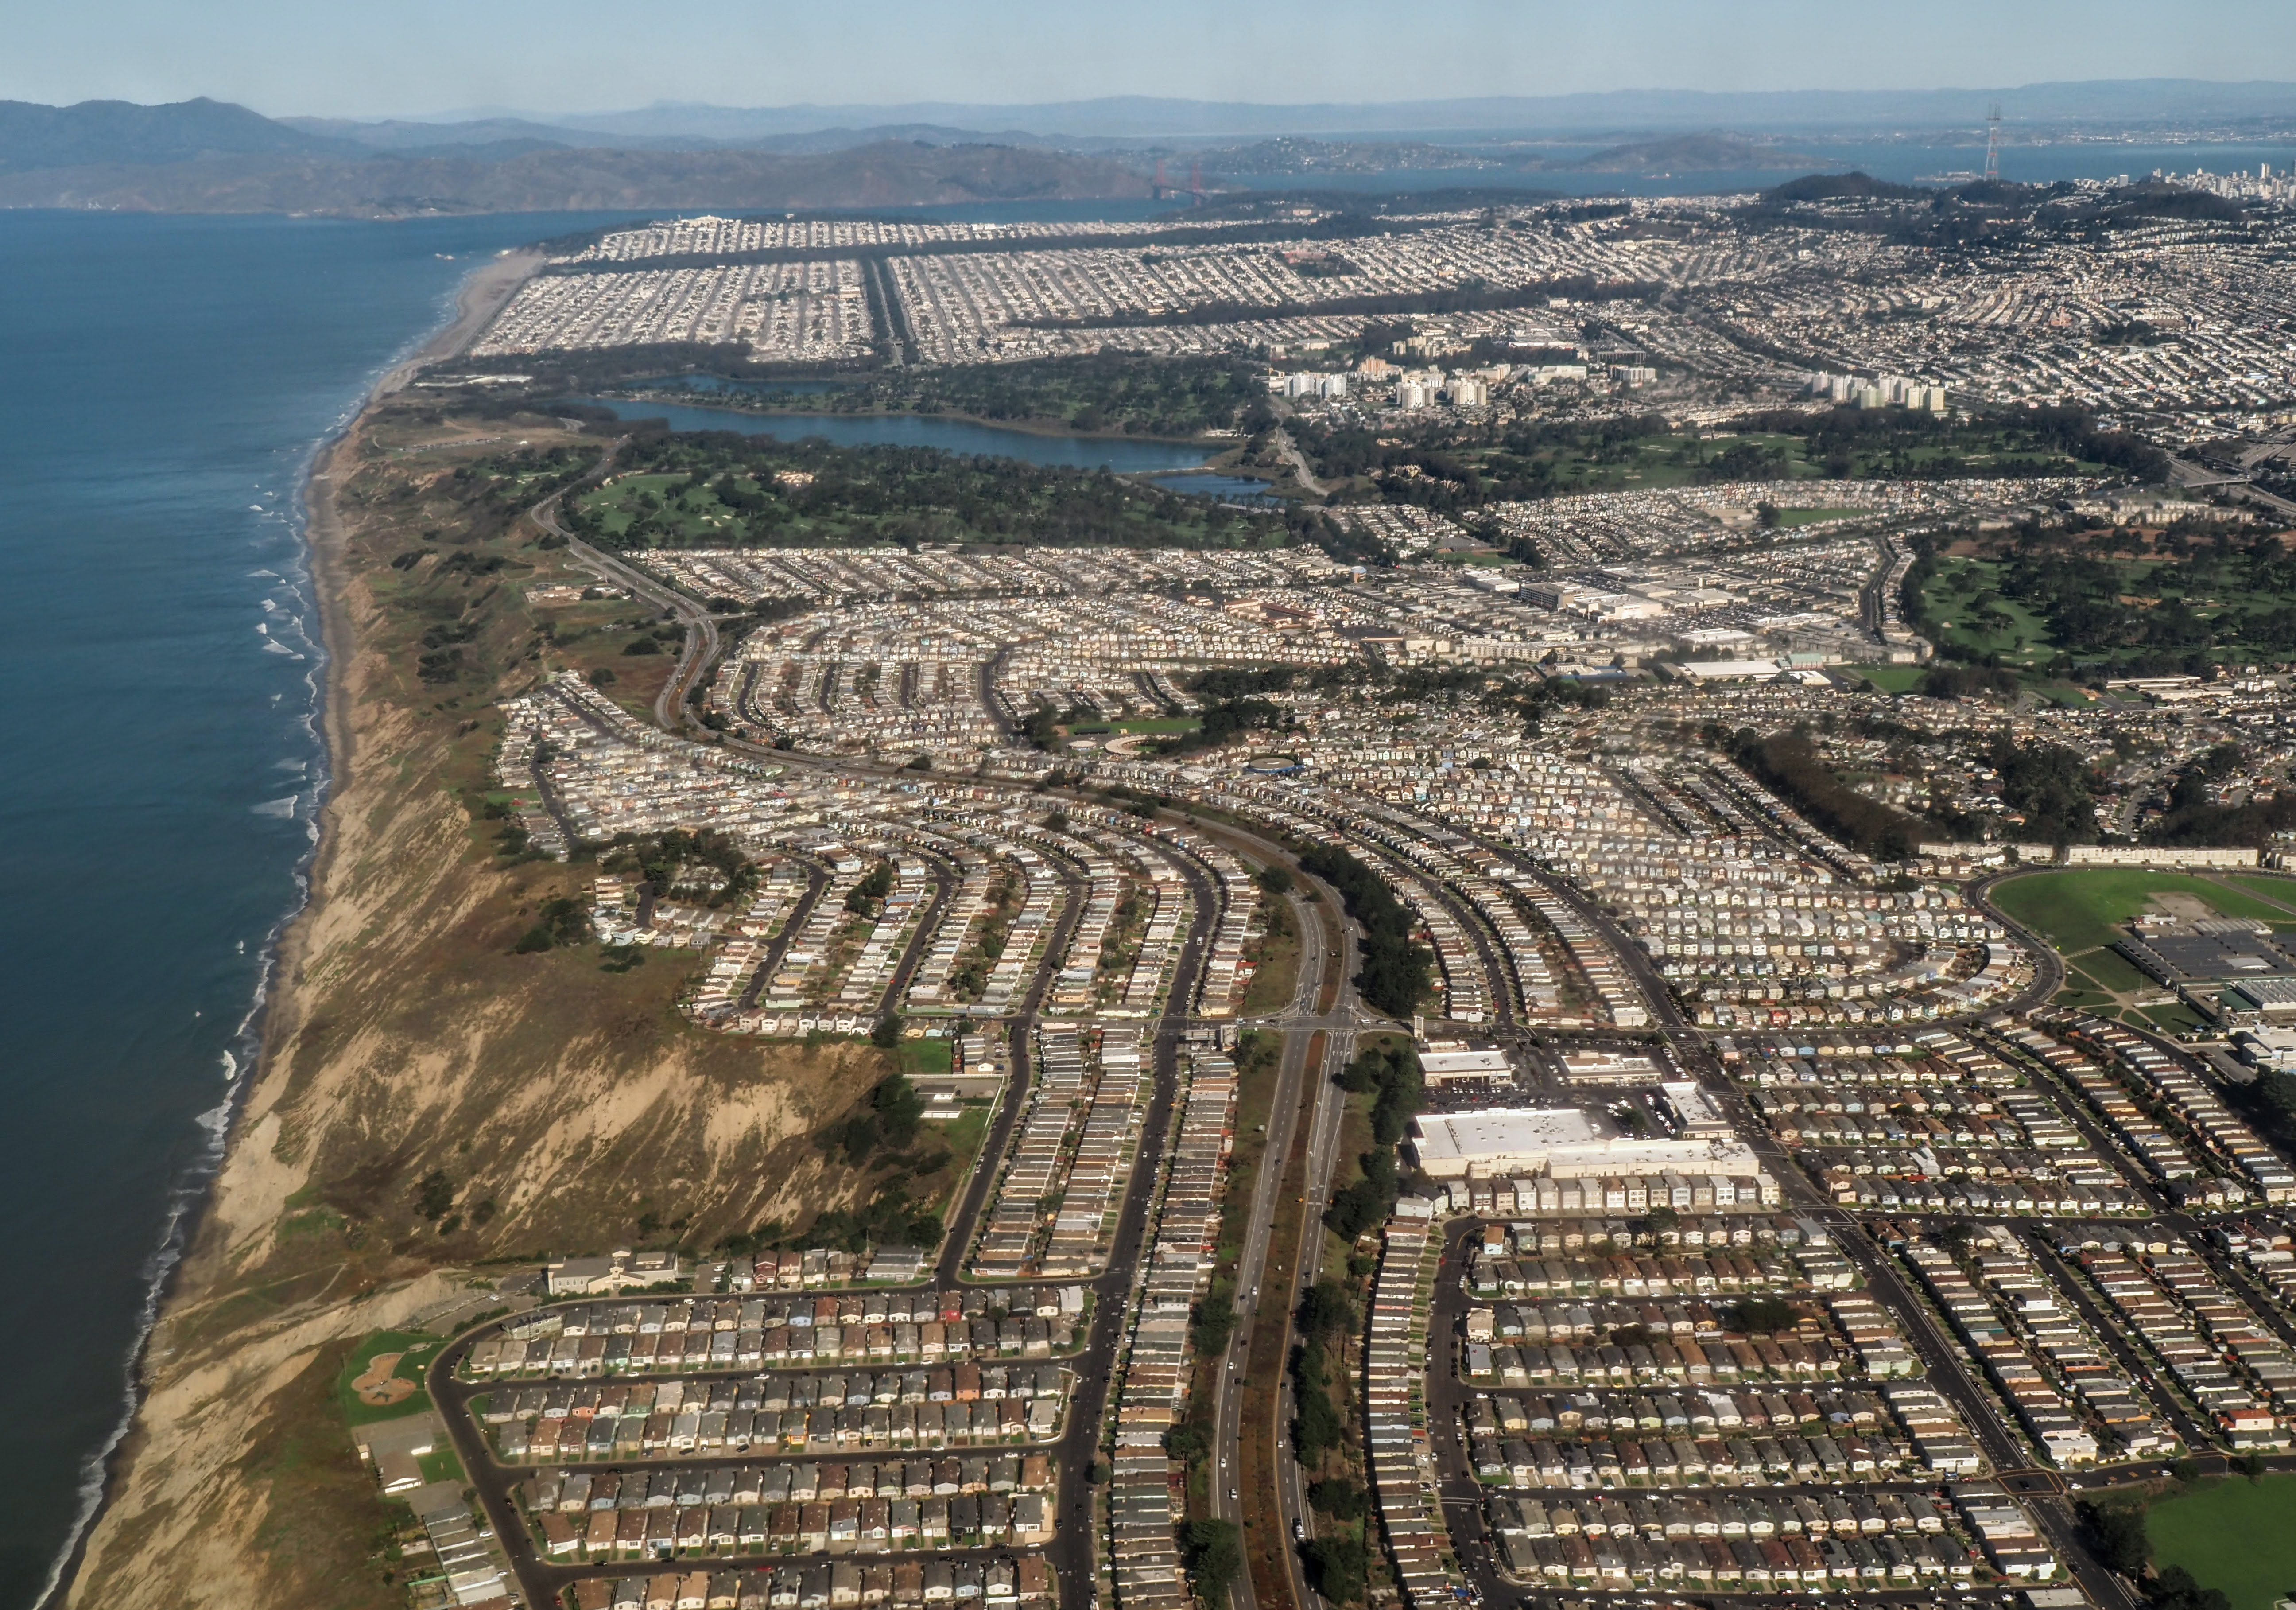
(571, 1109)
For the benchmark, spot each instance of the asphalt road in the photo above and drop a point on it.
(1294, 1078)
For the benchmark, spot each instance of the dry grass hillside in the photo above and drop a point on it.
(569, 1108)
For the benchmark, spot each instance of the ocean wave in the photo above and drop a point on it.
(190, 1191)
(185, 1200)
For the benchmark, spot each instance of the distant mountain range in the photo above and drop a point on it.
(99, 132)
(1618, 113)
(206, 155)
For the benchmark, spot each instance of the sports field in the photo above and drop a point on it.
(2237, 1535)
(2081, 910)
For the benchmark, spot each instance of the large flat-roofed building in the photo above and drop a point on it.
(1444, 1062)
(2274, 998)
(1565, 1143)
(1607, 1067)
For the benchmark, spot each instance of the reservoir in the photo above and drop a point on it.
(1124, 455)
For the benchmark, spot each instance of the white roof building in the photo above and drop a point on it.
(1564, 1143)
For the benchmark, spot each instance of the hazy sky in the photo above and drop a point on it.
(415, 56)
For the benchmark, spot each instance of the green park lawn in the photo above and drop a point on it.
(1794, 517)
(2080, 911)
(927, 1056)
(2282, 890)
(2239, 1536)
(1890, 678)
(2110, 969)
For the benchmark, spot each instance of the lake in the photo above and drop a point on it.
(1125, 456)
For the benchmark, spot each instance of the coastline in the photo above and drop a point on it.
(478, 298)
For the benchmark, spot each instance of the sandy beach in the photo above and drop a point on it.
(146, 1471)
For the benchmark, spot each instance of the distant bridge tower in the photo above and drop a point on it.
(1196, 183)
(1993, 143)
(1159, 190)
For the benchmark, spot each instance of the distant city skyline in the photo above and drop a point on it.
(424, 57)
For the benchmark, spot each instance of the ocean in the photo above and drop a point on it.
(165, 382)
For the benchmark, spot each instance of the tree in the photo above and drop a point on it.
(435, 1194)
(1276, 879)
(898, 1106)
(2175, 1590)
(1210, 1323)
(1335, 1567)
(561, 921)
(1337, 1496)
(871, 889)
(1764, 1315)
(1187, 1442)
(887, 1032)
(1214, 1552)
(1325, 1313)
(1314, 1422)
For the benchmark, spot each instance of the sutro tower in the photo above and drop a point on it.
(1993, 143)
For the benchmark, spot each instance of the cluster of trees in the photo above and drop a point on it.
(491, 493)
(900, 495)
(1325, 1320)
(2080, 593)
(1848, 442)
(889, 1217)
(1225, 723)
(1098, 391)
(1213, 1550)
(1395, 1075)
(658, 857)
(1336, 1567)
(889, 1118)
(562, 920)
(1763, 1316)
(1224, 683)
(876, 884)
(2192, 817)
(1788, 764)
(1968, 681)
(2115, 1534)
(1397, 969)
(2051, 784)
